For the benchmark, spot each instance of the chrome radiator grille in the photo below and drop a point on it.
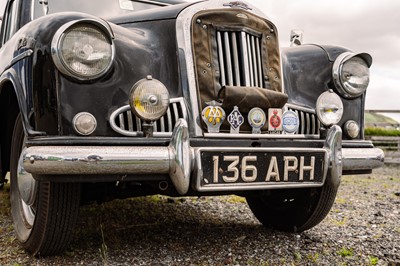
(308, 121)
(126, 123)
(239, 56)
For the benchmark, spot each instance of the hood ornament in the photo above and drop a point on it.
(238, 4)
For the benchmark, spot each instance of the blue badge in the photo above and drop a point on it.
(290, 122)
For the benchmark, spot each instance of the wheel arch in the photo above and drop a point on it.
(9, 109)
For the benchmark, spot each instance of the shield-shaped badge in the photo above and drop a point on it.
(235, 119)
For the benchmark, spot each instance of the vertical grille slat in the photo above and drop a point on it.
(250, 60)
(176, 113)
(169, 119)
(259, 63)
(245, 58)
(162, 124)
(228, 59)
(254, 58)
(221, 59)
(130, 121)
(121, 121)
(240, 60)
(236, 66)
(313, 131)
(308, 122)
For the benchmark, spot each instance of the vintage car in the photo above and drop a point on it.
(114, 99)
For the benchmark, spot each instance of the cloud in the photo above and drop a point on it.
(361, 25)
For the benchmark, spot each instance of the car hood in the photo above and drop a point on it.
(160, 13)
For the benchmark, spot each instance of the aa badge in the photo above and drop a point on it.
(256, 119)
(290, 122)
(213, 115)
(274, 119)
(235, 119)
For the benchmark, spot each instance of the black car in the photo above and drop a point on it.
(114, 99)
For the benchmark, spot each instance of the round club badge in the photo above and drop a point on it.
(290, 122)
(257, 119)
(213, 116)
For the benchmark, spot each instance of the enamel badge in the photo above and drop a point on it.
(274, 119)
(290, 122)
(256, 119)
(235, 119)
(213, 115)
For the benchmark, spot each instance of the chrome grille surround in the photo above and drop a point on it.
(124, 122)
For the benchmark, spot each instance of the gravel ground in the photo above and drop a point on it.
(362, 228)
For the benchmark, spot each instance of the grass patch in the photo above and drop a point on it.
(346, 252)
(377, 131)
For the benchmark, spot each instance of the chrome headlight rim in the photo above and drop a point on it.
(59, 36)
(337, 68)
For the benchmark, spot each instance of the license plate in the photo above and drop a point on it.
(249, 169)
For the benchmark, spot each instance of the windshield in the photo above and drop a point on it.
(100, 8)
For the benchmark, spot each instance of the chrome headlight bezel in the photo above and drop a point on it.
(343, 87)
(102, 27)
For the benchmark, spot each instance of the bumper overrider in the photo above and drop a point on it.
(179, 160)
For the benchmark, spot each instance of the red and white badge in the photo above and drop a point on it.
(274, 119)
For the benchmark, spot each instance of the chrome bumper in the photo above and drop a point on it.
(177, 160)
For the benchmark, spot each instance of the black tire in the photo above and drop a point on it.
(44, 213)
(293, 210)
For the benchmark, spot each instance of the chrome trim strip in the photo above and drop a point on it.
(260, 136)
(300, 108)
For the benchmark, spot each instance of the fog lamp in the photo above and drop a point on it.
(84, 123)
(149, 99)
(329, 108)
(352, 129)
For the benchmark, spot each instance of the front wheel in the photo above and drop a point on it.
(44, 213)
(293, 210)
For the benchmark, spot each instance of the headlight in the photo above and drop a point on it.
(83, 49)
(329, 108)
(351, 74)
(149, 99)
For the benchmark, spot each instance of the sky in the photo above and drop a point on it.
(370, 26)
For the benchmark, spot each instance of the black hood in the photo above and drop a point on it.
(159, 13)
